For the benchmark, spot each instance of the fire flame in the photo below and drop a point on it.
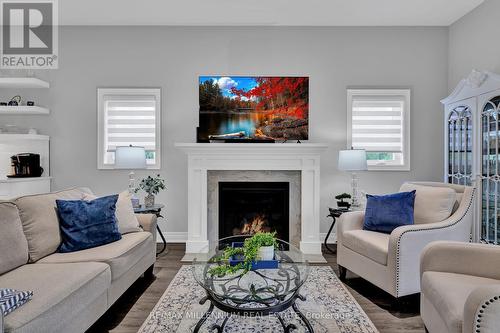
(258, 224)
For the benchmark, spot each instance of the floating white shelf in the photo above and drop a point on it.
(23, 82)
(24, 180)
(23, 110)
(11, 188)
(18, 137)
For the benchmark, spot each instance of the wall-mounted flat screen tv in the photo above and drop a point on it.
(253, 108)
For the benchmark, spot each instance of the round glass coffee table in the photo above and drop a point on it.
(257, 293)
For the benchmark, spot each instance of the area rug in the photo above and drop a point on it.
(329, 307)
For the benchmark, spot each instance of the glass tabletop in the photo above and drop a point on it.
(257, 287)
(143, 208)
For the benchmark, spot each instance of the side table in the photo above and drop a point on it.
(155, 209)
(334, 214)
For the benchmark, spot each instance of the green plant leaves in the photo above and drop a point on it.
(249, 251)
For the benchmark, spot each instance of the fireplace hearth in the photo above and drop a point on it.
(249, 207)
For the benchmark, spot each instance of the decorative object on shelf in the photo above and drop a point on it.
(14, 129)
(353, 160)
(15, 101)
(30, 103)
(25, 165)
(3, 103)
(253, 108)
(152, 186)
(258, 247)
(476, 79)
(340, 200)
(131, 157)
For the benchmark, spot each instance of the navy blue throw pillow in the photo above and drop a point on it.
(384, 213)
(87, 224)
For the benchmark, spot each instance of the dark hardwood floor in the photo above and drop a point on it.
(130, 311)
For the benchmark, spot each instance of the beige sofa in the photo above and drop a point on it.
(391, 261)
(460, 287)
(70, 290)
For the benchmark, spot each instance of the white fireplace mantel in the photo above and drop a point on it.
(203, 157)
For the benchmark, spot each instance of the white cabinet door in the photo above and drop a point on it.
(489, 172)
(460, 128)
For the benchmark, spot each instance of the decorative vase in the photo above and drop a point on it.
(149, 200)
(266, 253)
(135, 201)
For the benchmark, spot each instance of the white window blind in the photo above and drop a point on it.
(129, 117)
(379, 123)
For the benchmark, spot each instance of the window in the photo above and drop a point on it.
(128, 117)
(379, 122)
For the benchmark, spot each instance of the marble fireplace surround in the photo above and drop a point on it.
(205, 157)
(217, 176)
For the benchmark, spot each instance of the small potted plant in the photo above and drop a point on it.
(340, 200)
(152, 186)
(265, 242)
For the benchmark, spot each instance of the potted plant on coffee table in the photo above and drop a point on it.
(152, 186)
(260, 246)
(340, 200)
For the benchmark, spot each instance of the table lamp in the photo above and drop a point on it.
(353, 160)
(131, 157)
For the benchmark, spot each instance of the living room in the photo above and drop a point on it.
(151, 152)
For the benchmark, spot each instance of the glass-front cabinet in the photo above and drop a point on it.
(490, 168)
(472, 147)
(460, 146)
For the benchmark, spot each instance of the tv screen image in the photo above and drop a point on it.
(253, 107)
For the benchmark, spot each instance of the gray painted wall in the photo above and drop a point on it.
(474, 42)
(173, 58)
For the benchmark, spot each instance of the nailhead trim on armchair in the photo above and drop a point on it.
(399, 240)
(479, 315)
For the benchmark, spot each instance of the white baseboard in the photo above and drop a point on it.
(181, 237)
(331, 240)
(173, 237)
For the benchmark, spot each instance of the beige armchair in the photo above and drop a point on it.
(460, 287)
(391, 261)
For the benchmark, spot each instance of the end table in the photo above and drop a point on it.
(155, 209)
(334, 214)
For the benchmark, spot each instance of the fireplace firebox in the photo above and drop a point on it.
(249, 207)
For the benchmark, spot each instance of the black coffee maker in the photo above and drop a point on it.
(25, 165)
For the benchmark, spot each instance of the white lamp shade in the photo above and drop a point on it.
(352, 160)
(130, 158)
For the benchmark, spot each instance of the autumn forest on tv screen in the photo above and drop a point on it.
(253, 107)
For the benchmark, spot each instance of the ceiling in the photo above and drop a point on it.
(265, 12)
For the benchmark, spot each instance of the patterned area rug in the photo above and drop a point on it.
(329, 307)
